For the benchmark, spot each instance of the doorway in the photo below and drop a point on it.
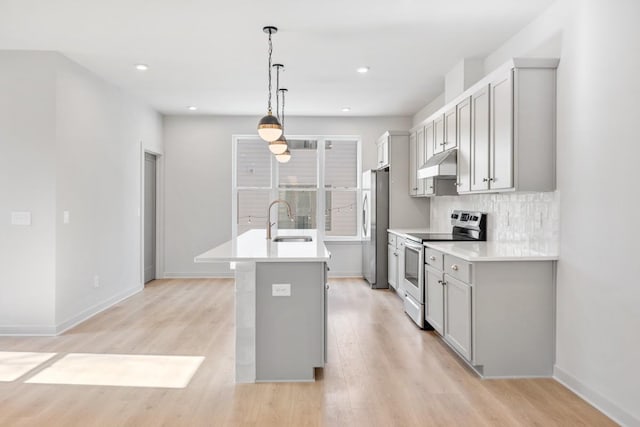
(150, 166)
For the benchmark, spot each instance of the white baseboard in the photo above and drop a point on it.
(604, 405)
(345, 274)
(27, 331)
(173, 275)
(95, 309)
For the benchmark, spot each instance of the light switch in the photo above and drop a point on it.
(20, 218)
(281, 290)
(65, 217)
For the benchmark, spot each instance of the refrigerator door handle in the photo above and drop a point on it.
(364, 216)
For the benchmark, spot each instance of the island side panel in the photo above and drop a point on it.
(245, 300)
(289, 329)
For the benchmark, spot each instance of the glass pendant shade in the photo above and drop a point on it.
(284, 157)
(269, 128)
(278, 146)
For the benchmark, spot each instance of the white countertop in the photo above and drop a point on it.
(402, 232)
(254, 246)
(494, 251)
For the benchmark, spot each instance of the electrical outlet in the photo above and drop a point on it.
(96, 281)
(281, 290)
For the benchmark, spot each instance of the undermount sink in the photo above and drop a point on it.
(292, 239)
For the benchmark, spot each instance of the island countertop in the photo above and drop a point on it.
(254, 246)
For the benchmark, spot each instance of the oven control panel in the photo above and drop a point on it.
(467, 219)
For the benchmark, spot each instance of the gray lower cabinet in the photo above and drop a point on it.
(434, 305)
(392, 268)
(499, 316)
(291, 330)
(457, 324)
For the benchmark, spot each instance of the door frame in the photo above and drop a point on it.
(159, 213)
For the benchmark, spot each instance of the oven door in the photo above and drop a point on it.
(414, 270)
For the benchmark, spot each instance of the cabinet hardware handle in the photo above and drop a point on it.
(441, 282)
(485, 179)
(327, 287)
(415, 188)
(444, 283)
(458, 184)
(491, 179)
(443, 143)
(431, 187)
(432, 258)
(454, 267)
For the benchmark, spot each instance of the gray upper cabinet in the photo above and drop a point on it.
(501, 133)
(463, 183)
(429, 140)
(438, 133)
(450, 128)
(421, 157)
(479, 149)
(504, 129)
(413, 173)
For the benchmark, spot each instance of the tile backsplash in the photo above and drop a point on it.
(531, 218)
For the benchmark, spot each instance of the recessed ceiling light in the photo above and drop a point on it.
(346, 109)
(192, 108)
(142, 67)
(363, 70)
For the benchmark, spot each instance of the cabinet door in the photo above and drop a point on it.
(380, 156)
(385, 153)
(429, 141)
(450, 131)
(463, 184)
(400, 245)
(392, 267)
(429, 186)
(501, 145)
(438, 134)
(480, 140)
(420, 159)
(457, 322)
(413, 177)
(434, 304)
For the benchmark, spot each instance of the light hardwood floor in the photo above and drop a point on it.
(382, 371)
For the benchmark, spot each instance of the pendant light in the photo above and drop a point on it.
(278, 146)
(286, 155)
(269, 127)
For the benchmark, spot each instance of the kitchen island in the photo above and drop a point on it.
(280, 304)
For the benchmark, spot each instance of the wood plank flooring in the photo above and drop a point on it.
(382, 371)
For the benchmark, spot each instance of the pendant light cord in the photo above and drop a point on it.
(277, 91)
(270, 52)
(282, 122)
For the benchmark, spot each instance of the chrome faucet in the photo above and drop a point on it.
(269, 223)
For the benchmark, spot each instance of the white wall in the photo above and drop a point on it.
(598, 296)
(198, 182)
(69, 141)
(99, 134)
(27, 183)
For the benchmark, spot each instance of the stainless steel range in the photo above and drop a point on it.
(467, 226)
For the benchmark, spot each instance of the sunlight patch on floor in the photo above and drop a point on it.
(14, 364)
(120, 370)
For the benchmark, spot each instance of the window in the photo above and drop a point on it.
(321, 183)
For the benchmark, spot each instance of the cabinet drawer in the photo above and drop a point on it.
(433, 258)
(392, 240)
(458, 268)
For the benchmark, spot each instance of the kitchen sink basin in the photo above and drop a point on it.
(292, 239)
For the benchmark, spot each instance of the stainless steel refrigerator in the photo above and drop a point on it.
(375, 222)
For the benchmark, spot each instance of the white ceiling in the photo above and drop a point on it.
(212, 54)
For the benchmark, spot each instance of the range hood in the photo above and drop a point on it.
(441, 165)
